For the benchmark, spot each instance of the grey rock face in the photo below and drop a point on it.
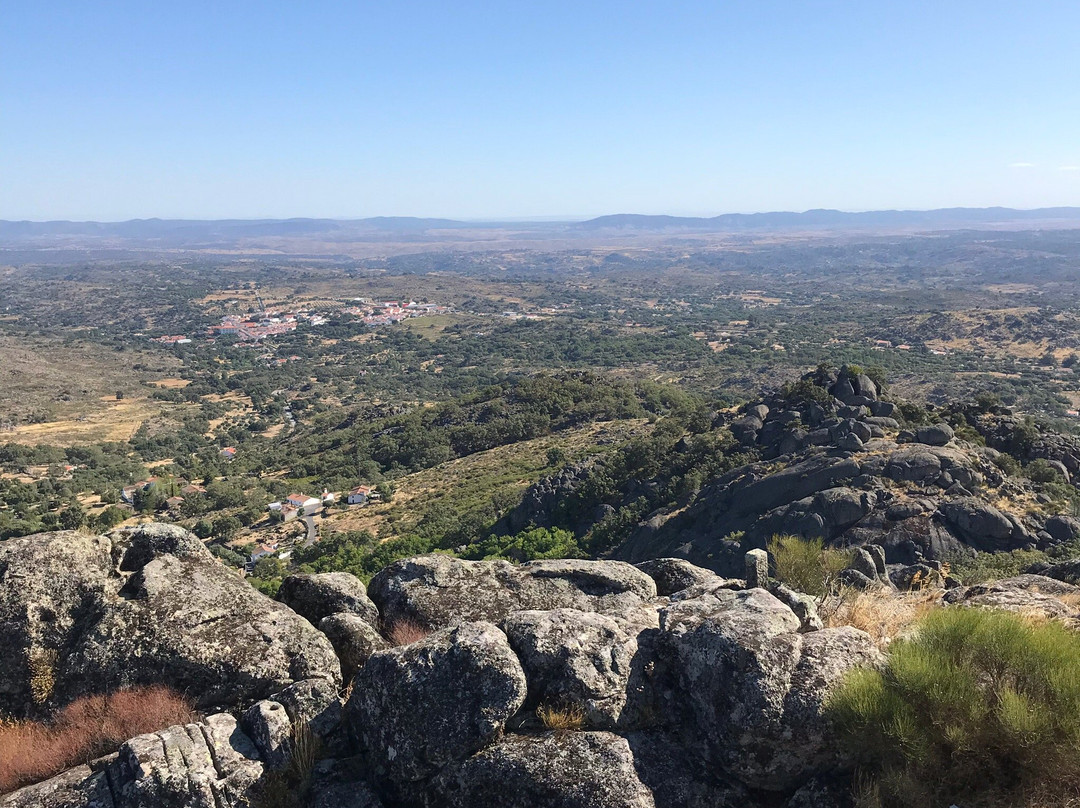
(424, 706)
(803, 606)
(793, 483)
(438, 590)
(214, 763)
(334, 784)
(327, 593)
(1067, 571)
(934, 435)
(913, 465)
(849, 442)
(979, 524)
(674, 574)
(270, 729)
(842, 507)
(555, 770)
(598, 662)
(147, 606)
(863, 562)
(354, 640)
(752, 686)
(1063, 528)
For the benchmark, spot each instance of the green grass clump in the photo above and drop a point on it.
(980, 707)
(806, 565)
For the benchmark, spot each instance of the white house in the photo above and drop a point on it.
(360, 495)
(305, 504)
(328, 498)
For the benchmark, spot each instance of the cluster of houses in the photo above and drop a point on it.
(390, 311)
(295, 506)
(269, 325)
(252, 329)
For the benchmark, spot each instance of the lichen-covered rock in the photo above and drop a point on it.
(354, 640)
(80, 787)
(149, 605)
(751, 687)
(211, 764)
(326, 593)
(1021, 594)
(674, 574)
(439, 590)
(598, 662)
(554, 770)
(423, 706)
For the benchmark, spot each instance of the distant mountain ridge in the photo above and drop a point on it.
(192, 231)
(830, 218)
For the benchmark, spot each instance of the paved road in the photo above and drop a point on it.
(311, 536)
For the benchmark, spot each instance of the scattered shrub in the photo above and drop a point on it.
(806, 565)
(561, 718)
(979, 707)
(86, 729)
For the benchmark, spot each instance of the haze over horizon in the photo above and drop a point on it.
(566, 111)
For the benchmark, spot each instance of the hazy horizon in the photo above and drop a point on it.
(540, 219)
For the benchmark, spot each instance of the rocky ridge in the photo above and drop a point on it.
(836, 464)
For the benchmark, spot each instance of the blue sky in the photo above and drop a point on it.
(113, 110)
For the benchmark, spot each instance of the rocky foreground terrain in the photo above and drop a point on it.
(684, 688)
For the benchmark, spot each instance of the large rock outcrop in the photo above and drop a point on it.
(439, 590)
(599, 662)
(421, 707)
(751, 688)
(559, 770)
(323, 594)
(86, 614)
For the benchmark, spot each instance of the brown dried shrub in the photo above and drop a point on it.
(406, 632)
(89, 727)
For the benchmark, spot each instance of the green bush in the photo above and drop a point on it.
(980, 707)
(806, 565)
(971, 570)
(1040, 471)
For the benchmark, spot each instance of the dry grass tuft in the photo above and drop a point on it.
(1070, 599)
(562, 719)
(884, 614)
(31, 751)
(406, 632)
